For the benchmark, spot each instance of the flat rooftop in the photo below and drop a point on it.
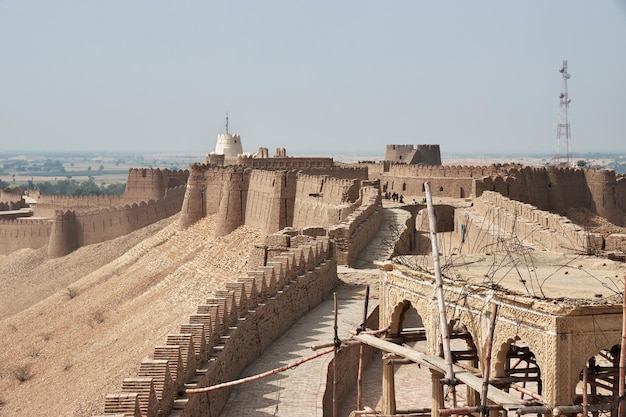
(567, 279)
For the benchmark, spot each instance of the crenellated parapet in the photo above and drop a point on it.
(145, 184)
(72, 229)
(268, 199)
(495, 218)
(355, 232)
(549, 188)
(228, 332)
(23, 232)
(408, 154)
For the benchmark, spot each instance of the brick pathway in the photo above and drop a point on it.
(298, 392)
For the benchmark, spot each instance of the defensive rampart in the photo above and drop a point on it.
(495, 220)
(547, 188)
(72, 229)
(277, 162)
(268, 199)
(23, 233)
(355, 232)
(228, 332)
(323, 201)
(143, 184)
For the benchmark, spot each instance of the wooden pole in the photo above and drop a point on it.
(487, 360)
(335, 360)
(445, 333)
(359, 399)
(622, 356)
(388, 405)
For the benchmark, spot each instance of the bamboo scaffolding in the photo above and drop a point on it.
(445, 332)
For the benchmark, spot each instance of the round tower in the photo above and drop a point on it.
(228, 144)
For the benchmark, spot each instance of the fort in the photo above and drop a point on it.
(65, 223)
(510, 245)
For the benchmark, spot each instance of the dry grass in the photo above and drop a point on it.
(22, 372)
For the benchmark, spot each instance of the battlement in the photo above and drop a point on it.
(228, 332)
(408, 154)
(403, 147)
(495, 218)
(72, 229)
(268, 199)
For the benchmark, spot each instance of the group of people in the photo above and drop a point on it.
(400, 198)
(394, 196)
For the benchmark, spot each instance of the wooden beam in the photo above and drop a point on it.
(437, 363)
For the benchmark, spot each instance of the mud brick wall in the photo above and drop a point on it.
(72, 229)
(494, 216)
(235, 327)
(347, 367)
(354, 234)
(23, 233)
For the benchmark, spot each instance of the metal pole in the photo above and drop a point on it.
(445, 334)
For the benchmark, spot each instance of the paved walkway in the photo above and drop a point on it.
(299, 391)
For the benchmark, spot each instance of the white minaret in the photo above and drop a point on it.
(228, 144)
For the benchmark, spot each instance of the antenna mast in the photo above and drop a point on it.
(563, 134)
(227, 123)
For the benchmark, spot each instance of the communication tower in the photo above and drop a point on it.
(563, 133)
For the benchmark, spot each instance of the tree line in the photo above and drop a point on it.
(71, 187)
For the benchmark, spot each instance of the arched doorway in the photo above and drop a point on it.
(599, 381)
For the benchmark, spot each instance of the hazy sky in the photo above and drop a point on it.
(321, 77)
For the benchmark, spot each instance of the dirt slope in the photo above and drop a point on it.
(113, 303)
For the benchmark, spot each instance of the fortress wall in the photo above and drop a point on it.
(145, 184)
(23, 233)
(10, 194)
(494, 217)
(355, 232)
(439, 186)
(281, 163)
(255, 310)
(57, 202)
(232, 205)
(271, 198)
(455, 171)
(348, 173)
(348, 366)
(558, 189)
(323, 201)
(203, 192)
(12, 205)
(607, 199)
(399, 153)
(75, 228)
(428, 154)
